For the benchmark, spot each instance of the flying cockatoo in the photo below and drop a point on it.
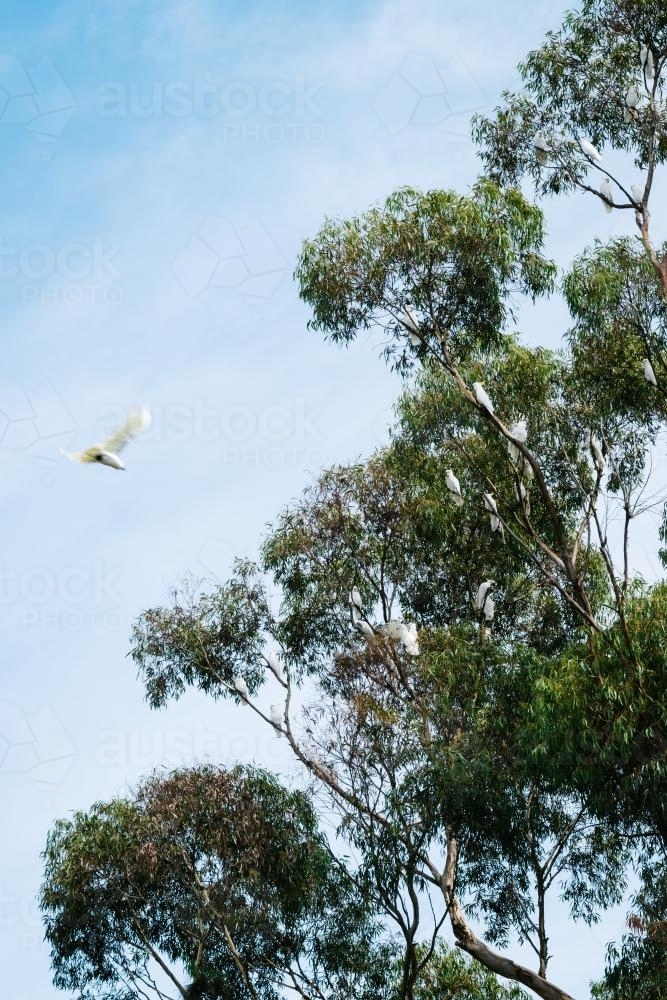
(365, 629)
(607, 194)
(410, 322)
(482, 593)
(107, 453)
(647, 62)
(631, 102)
(454, 487)
(649, 374)
(589, 150)
(637, 192)
(491, 507)
(276, 715)
(541, 144)
(482, 397)
(598, 457)
(241, 687)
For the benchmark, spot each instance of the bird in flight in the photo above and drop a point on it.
(108, 453)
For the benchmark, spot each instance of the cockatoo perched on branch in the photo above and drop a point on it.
(108, 452)
(482, 397)
(355, 600)
(589, 150)
(647, 62)
(519, 431)
(637, 192)
(273, 664)
(631, 102)
(649, 374)
(410, 322)
(454, 487)
(365, 628)
(607, 194)
(541, 144)
(276, 716)
(241, 687)
(484, 601)
(491, 507)
(598, 457)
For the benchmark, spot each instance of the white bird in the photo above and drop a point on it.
(107, 453)
(273, 664)
(519, 431)
(631, 102)
(394, 630)
(523, 496)
(649, 374)
(637, 192)
(607, 194)
(482, 397)
(482, 592)
(541, 144)
(588, 149)
(598, 457)
(365, 629)
(527, 470)
(491, 506)
(454, 487)
(489, 608)
(277, 718)
(409, 639)
(410, 322)
(241, 687)
(355, 600)
(647, 62)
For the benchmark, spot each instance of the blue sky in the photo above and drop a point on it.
(154, 201)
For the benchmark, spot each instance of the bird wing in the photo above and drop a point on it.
(89, 455)
(138, 420)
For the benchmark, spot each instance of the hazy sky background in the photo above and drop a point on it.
(161, 163)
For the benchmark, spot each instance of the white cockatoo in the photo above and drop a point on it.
(411, 323)
(637, 192)
(409, 639)
(647, 62)
(598, 457)
(482, 397)
(482, 593)
(649, 374)
(273, 664)
(523, 496)
(454, 487)
(277, 718)
(608, 194)
(489, 608)
(241, 687)
(519, 431)
(541, 144)
(365, 629)
(393, 630)
(631, 102)
(589, 150)
(355, 600)
(492, 508)
(108, 453)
